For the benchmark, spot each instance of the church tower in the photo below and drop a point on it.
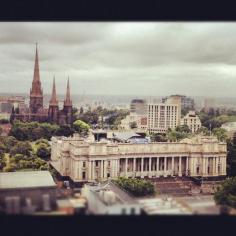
(36, 92)
(53, 105)
(67, 109)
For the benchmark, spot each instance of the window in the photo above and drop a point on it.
(123, 211)
(132, 211)
(108, 175)
(109, 163)
(96, 163)
(198, 170)
(83, 175)
(46, 202)
(12, 205)
(84, 164)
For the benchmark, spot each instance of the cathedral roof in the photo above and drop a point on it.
(36, 84)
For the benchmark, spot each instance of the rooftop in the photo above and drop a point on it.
(26, 179)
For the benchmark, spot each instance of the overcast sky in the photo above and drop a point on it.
(196, 59)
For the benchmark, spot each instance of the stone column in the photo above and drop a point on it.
(101, 169)
(180, 166)
(172, 165)
(126, 164)
(134, 164)
(165, 166)
(214, 164)
(105, 169)
(150, 165)
(89, 170)
(92, 170)
(203, 166)
(142, 166)
(187, 168)
(157, 164)
(118, 167)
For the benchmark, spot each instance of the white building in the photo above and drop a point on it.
(192, 121)
(108, 199)
(85, 161)
(163, 116)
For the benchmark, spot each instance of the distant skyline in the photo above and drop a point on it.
(146, 59)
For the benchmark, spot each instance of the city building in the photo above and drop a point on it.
(187, 103)
(209, 104)
(85, 161)
(138, 106)
(27, 192)
(163, 116)
(36, 110)
(192, 121)
(139, 120)
(7, 102)
(108, 199)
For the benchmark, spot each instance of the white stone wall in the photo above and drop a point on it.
(205, 157)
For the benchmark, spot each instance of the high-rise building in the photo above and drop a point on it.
(163, 116)
(187, 103)
(36, 110)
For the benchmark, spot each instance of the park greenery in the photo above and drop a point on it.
(137, 187)
(102, 117)
(81, 127)
(226, 193)
(18, 155)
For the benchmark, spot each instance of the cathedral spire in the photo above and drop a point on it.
(68, 101)
(53, 100)
(36, 84)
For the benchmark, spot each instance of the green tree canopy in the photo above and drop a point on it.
(220, 133)
(226, 193)
(21, 147)
(43, 151)
(81, 127)
(137, 187)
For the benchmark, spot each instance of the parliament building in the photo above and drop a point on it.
(88, 161)
(36, 110)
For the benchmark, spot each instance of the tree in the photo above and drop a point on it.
(42, 140)
(137, 187)
(43, 152)
(2, 160)
(159, 138)
(133, 125)
(231, 156)
(81, 127)
(64, 130)
(203, 130)
(21, 148)
(226, 193)
(220, 133)
(9, 142)
(183, 129)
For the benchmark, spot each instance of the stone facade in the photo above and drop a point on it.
(85, 161)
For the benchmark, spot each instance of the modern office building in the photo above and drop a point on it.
(84, 161)
(192, 121)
